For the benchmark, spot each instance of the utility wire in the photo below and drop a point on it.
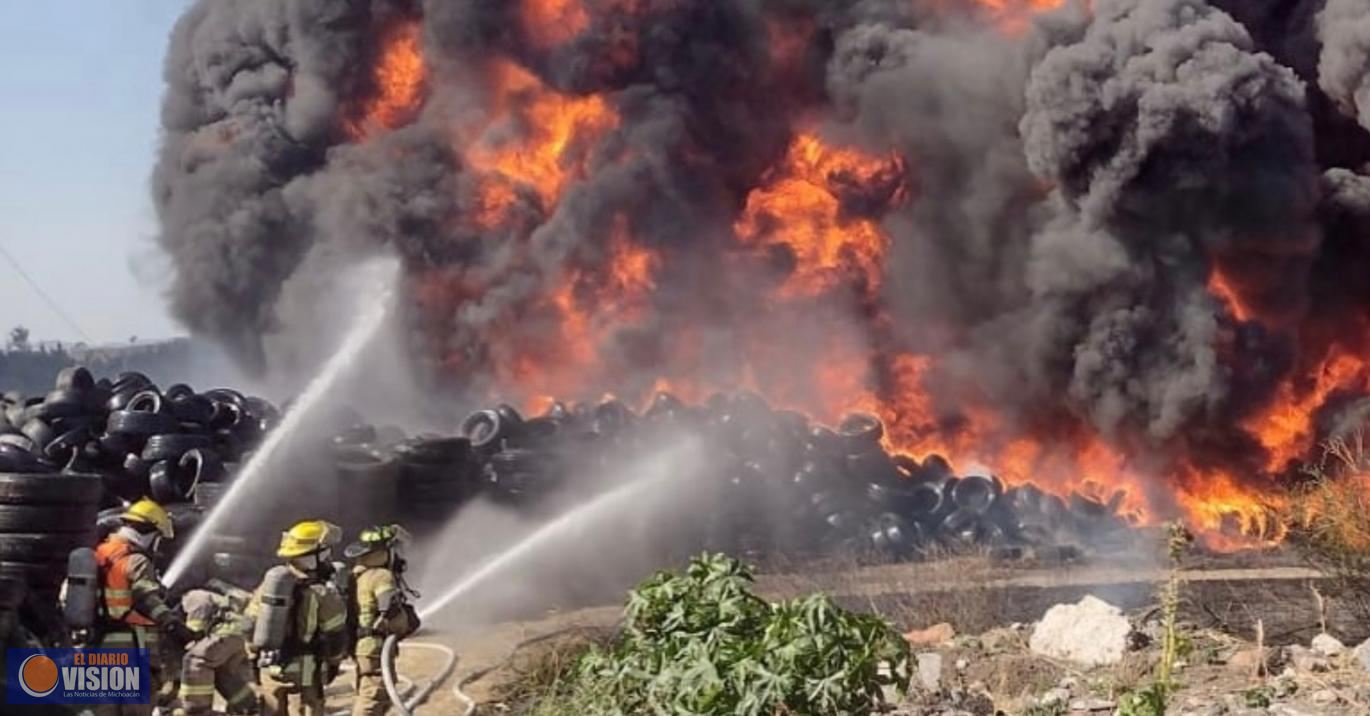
(52, 304)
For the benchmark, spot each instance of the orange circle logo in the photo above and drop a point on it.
(38, 676)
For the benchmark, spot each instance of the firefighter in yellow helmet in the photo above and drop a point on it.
(378, 606)
(133, 612)
(299, 622)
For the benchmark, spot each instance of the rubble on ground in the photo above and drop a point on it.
(1005, 671)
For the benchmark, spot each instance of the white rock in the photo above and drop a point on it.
(1092, 632)
(1328, 645)
(1362, 654)
(962, 664)
(930, 670)
(1323, 697)
(1054, 697)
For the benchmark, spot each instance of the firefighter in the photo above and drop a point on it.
(217, 659)
(132, 612)
(378, 607)
(300, 622)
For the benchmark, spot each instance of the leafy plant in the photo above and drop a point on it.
(1259, 697)
(702, 644)
(1147, 701)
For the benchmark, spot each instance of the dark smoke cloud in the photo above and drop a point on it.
(1075, 181)
(1169, 139)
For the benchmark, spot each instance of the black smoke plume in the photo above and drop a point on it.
(1072, 182)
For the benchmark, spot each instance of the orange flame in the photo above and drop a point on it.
(1220, 289)
(817, 209)
(801, 211)
(1013, 16)
(550, 23)
(398, 79)
(538, 137)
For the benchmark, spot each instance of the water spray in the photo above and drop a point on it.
(550, 534)
(379, 279)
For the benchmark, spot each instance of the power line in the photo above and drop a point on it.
(52, 304)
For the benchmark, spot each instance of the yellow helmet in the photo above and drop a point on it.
(147, 512)
(308, 537)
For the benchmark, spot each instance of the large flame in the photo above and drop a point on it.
(536, 137)
(812, 223)
(398, 80)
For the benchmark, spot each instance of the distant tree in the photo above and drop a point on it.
(19, 338)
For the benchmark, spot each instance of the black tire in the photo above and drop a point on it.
(76, 378)
(42, 578)
(434, 451)
(484, 428)
(14, 460)
(193, 409)
(12, 592)
(50, 489)
(64, 446)
(173, 446)
(58, 404)
(860, 432)
(118, 398)
(44, 547)
(165, 484)
(148, 401)
(204, 464)
(39, 432)
(19, 441)
(139, 423)
(53, 519)
(178, 392)
(131, 378)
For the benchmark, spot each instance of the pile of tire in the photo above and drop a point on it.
(838, 488)
(42, 518)
(142, 441)
(436, 476)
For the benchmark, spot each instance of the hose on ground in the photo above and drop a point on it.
(399, 685)
(388, 674)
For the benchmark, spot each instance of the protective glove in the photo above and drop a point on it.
(268, 658)
(181, 633)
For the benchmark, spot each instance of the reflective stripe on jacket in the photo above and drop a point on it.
(128, 580)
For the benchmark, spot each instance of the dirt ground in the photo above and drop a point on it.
(1225, 595)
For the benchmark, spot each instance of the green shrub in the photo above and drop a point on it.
(702, 644)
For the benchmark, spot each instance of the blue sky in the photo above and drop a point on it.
(80, 90)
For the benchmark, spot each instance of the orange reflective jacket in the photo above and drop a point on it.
(113, 558)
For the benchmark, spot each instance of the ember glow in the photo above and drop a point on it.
(397, 81)
(923, 211)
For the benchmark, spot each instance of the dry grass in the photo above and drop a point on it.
(1331, 520)
(539, 668)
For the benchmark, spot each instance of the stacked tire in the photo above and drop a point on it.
(42, 518)
(436, 476)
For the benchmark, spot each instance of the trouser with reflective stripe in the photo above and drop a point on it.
(124, 636)
(372, 699)
(217, 663)
(297, 692)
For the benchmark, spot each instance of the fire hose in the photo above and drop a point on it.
(388, 675)
(394, 684)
